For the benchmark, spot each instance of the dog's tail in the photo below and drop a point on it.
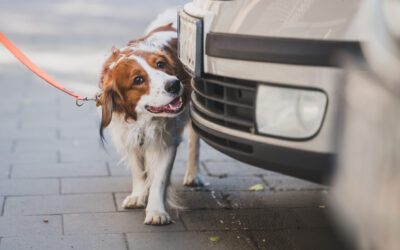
(164, 18)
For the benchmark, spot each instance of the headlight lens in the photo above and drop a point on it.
(289, 112)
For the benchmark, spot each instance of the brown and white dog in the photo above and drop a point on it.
(144, 94)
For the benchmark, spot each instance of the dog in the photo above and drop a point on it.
(145, 94)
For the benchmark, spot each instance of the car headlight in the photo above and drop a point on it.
(289, 112)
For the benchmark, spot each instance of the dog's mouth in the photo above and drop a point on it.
(173, 107)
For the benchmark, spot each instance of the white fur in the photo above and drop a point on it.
(168, 16)
(148, 145)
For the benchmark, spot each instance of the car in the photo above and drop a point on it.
(264, 79)
(309, 89)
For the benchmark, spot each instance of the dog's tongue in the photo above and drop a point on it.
(173, 106)
(155, 109)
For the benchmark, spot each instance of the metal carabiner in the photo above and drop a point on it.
(80, 101)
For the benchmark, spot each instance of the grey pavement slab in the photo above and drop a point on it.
(78, 155)
(206, 152)
(301, 239)
(2, 204)
(46, 170)
(119, 222)
(233, 167)
(190, 240)
(44, 144)
(59, 204)
(78, 242)
(5, 167)
(257, 199)
(74, 132)
(37, 133)
(283, 183)
(5, 145)
(119, 169)
(12, 226)
(240, 219)
(96, 185)
(29, 187)
(31, 157)
(8, 124)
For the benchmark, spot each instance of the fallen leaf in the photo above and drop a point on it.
(214, 239)
(46, 220)
(321, 206)
(257, 187)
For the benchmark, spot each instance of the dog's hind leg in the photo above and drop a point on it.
(159, 163)
(192, 175)
(139, 194)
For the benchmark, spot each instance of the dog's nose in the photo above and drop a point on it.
(173, 87)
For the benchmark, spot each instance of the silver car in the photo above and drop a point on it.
(264, 78)
(308, 88)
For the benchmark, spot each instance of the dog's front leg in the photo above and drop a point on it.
(139, 193)
(192, 175)
(159, 165)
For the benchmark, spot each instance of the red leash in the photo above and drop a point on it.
(35, 69)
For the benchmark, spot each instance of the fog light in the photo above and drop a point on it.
(289, 112)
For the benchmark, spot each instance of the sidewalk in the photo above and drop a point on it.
(59, 189)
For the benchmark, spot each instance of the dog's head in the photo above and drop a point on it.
(143, 78)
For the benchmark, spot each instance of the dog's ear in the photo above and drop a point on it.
(110, 101)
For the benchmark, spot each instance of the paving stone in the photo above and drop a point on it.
(59, 204)
(29, 187)
(8, 124)
(273, 239)
(5, 167)
(233, 167)
(243, 219)
(120, 222)
(185, 200)
(206, 152)
(96, 185)
(251, 199)
(45, 170)
(284, 182)
(11, 226)
(6, 145)
(79, 242)
(34, 145)
(73, 132)
(313, 217)
(189, 240)
(118, 169)
(30, 157)
(305, 239)
(89, 124)
(78, 155)
(179, 167)
(28, 133)
(1, 204)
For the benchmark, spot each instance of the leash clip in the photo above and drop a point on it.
(80, 101)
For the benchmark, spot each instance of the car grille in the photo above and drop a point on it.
(225, 101)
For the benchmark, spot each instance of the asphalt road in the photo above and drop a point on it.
(60, 190)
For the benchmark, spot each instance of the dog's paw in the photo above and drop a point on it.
(134, 201)
(193, 180)
(154, 217)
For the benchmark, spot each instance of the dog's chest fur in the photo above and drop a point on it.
(147, 131)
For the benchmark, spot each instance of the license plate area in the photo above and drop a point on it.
(190, 43)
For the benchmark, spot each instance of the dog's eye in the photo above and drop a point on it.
(160, 65)
(138, 80)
